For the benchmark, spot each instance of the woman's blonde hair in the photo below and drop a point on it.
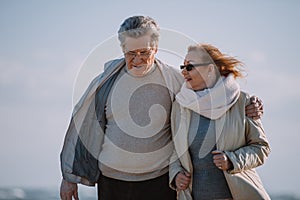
(226, 64)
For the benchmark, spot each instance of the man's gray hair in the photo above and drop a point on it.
(138, 26)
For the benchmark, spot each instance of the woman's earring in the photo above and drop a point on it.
(208, 75)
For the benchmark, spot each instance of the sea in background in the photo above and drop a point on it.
(85, 193)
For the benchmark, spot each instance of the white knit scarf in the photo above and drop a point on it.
(213, 102)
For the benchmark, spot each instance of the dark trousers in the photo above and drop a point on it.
(153, 189)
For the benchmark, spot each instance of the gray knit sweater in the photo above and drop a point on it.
(137, 143)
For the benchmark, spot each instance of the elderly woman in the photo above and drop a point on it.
(217, 147)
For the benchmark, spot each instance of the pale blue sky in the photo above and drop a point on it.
(43, 44)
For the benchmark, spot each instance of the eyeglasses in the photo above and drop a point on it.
(142, 53)
(189, 67)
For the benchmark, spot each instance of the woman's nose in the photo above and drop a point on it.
(184, 71)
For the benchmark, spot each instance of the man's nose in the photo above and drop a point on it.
(137, 57)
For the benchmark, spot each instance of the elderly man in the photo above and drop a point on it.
(119, 135)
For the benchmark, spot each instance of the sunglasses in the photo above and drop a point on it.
(189, 67)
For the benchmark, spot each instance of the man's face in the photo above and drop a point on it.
(139, 54)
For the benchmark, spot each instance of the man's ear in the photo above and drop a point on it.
(123, 48)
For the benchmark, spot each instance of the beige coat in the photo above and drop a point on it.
(241, 138)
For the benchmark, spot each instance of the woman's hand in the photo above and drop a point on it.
(221, 160)
(182, 180)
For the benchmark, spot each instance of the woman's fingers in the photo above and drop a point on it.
(220, 160)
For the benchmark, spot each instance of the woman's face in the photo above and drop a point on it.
(198, 77)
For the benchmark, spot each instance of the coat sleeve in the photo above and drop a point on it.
(67, 157)
(174, 165)
(174, 168)
(73, 145)
(256, 150)
(78, 161)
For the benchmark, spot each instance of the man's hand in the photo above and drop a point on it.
(68, 190)
(255, 110)
(182, 180)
